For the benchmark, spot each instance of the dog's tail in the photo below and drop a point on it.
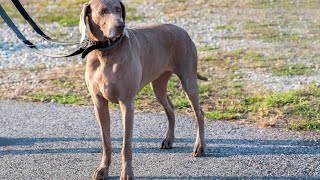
(202, 77)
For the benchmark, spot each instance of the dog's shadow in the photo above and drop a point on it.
(215, 147)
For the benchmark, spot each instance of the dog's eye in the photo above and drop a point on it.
(118, 9)
(103, 11)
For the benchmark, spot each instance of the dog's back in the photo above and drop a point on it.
(163, 47)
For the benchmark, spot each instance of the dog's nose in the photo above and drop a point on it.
(120, 26)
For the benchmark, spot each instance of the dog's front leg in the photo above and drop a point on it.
(127, 110)
(102, 113)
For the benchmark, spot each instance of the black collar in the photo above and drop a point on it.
(101, 45)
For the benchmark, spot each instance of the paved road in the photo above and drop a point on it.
(42, 141)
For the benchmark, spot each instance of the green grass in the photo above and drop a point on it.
(215, 115)
(304, 125)
(36, 68)
(254, 56)
(304, 109)
(294, 69)
(64, 84)
(206, 48)
(145, 97)
(209, 58)
(69, 98)
(133, 14)
(279, 4)
(269, 32)
(295, 109)
(223, 27)
(293, 105)
(181, 102)
(238, 51)
(67, 17)
(264, 102)
(280, 36)
(277, 58)
(68, 21)
(251, 25)
(203, 88)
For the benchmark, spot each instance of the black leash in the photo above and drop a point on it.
(9, 22)
(36, 28)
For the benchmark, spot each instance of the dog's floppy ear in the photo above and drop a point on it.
(123, 12)
(83, 21)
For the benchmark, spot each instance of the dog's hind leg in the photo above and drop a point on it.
(103, 117)
(159, 87)
(190, 85)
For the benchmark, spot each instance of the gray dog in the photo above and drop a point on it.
(143, 55)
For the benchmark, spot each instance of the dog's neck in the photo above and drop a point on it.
(107, 42)
(103, 46)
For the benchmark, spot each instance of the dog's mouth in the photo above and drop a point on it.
(116, 38)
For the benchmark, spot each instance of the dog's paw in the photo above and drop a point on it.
(198, 151)
(101, 173)
(127, 175)
(167, 143)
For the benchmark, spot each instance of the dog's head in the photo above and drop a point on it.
(106, 19)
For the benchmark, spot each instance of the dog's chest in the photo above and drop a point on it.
(109, 80)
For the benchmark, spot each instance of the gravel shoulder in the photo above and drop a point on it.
(49, 141)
